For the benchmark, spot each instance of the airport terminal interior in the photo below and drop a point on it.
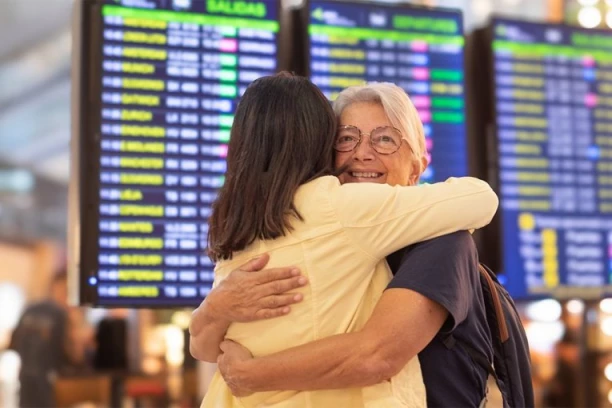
(115, 118)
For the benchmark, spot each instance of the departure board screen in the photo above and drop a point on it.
(419, 49)
(170, 75)
(553, 92)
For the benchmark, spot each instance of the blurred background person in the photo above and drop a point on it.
(561, 390)
(48, 340)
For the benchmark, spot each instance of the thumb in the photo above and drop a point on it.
(256, 264)
(225, 345)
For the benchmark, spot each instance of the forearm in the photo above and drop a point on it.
(379, 351)
(207, 330)
(341, 361)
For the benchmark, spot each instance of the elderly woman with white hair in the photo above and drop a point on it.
(349, 340)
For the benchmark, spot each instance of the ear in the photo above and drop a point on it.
(424, 164)
(418, 167)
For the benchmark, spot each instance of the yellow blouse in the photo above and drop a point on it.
(341, 246)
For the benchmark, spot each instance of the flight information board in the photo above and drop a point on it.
(419, 49)
(553, 92)
(170, 75)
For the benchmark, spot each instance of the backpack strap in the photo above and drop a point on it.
(450, 341)
(504, 334)
(479, 359)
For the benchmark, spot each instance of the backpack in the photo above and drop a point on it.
(511, 366)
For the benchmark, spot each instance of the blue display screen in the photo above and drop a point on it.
(553, 95)
(172, 73)
(419, 49)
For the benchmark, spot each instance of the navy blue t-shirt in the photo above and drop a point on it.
(445, 270)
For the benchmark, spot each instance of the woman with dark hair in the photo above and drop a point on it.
(281, 197)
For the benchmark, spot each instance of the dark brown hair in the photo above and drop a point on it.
(282, 137)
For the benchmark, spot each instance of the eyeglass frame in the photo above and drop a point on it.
(361, 134)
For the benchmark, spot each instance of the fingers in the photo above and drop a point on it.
(279, 301)
(275, 274)
(256, 264)
(277, 305)
(279, 287)
(272, 313)
(226, 345)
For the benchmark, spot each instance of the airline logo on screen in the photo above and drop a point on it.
(181, 4)
(237, 8)
(516, 32)
(513, 32)
(343, 17)
(331, 17)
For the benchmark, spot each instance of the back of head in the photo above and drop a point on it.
(282, 137)
(58, 288)
(397, 105)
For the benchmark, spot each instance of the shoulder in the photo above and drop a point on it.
(452, 256)
(443, 269)
(446, 246)
(41, 308)
(459, 239)
(324, 182)
(317, 187)
(332, 183)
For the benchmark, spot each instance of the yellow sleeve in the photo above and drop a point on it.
(382, 219)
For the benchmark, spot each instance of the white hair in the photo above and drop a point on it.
(397, 106)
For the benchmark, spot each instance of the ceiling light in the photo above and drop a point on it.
(608, 371)
(575, 306)
(548, 310)
(589, 17)
(606, 305)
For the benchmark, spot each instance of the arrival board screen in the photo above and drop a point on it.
(420, 50)
(553, 89)
(171, 75)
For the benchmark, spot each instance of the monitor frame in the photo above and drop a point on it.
(86, 117)
(484, 127)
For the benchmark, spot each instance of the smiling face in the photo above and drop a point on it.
(364, 163)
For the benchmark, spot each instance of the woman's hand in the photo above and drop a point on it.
(247, 294)
(250, 293)
(230, 364)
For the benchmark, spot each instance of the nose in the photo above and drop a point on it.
(364, 151)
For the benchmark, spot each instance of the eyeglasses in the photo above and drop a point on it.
(384, 139)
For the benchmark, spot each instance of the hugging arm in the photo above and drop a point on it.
(376, 353)
(381, 219)
(428, 294)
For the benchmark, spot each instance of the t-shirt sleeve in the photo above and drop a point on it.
(443, 270)
(380, 219)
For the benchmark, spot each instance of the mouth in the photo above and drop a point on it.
(364, 174)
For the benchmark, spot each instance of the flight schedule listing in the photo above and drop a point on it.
(553, 89)
(420, 50)
(172, 74)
